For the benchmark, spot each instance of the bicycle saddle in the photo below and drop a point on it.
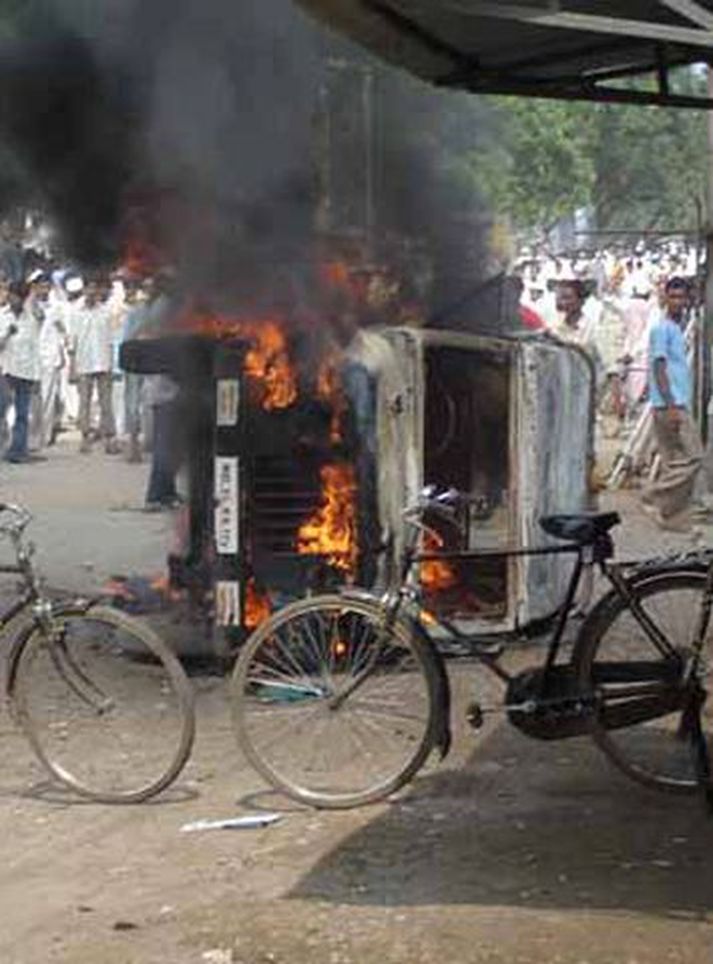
(584, 528)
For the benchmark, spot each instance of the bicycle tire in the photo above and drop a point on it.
(105, 704)
(653, 752)
(289, 665)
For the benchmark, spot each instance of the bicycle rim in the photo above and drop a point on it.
(289, 726)
(106, 706)
(659, 752)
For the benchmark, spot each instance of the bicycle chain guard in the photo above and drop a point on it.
(556, 712)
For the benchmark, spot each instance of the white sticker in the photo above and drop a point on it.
(226, 506)
(227, 603)
(227, 402)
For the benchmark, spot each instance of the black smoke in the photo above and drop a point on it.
(193, 125)
(193, 116)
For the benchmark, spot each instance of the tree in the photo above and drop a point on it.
(650, 168)
(540, 166)
(638, 168)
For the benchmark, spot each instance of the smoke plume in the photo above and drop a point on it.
(188, 127)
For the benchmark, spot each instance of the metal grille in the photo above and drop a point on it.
(284, 492)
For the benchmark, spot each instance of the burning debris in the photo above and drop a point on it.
(257, 606)
(141, 595)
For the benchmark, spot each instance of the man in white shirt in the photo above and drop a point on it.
(20, 345)
(52, 361)
(92, 354)
(38, 301)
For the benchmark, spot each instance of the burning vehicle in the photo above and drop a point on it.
(298, 473)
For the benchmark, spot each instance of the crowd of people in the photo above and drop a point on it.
(607, 301)
(60, 333)
(630, 312)
(61, 330)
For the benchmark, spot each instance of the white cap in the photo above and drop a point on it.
(74, 285)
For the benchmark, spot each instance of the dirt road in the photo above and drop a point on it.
(511, 851)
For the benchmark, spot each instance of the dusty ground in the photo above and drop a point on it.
(512, 851)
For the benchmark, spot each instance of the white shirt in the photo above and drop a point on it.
(51, 340)
(21, 357)
(91, 337)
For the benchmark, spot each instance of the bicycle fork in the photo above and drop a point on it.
(55, 638)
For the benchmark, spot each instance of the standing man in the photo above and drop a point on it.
(39, 285)
(20, 344)
(5, 397)
(52, 362)
(679, 447)
(573, 324)
(92, 354)
(140, 299)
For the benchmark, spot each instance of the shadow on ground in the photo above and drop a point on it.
(531, 825)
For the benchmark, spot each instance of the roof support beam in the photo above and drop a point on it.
(692, 11)
(580, 91)
(569, 20)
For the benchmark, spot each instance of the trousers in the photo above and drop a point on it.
(681, 455)
(104, 386)
(22, 390)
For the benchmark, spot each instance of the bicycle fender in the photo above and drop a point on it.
(441, 736)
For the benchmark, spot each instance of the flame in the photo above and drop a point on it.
(257, 606)
(267, 362)
(331, 531)
(436, 574)
(329, 389)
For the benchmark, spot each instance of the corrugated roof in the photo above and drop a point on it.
(570, 49)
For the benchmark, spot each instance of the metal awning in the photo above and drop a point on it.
(570, 49)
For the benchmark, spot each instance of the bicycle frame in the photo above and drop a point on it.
(586, 557)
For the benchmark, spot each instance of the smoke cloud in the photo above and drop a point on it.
(190, 125)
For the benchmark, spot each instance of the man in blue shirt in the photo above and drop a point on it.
(670, 391)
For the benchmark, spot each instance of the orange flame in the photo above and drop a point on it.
(267, 362)
(329, 389)
(331, 531)
(257, 606)
(436, 574)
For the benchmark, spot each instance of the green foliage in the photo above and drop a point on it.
(636, 167)
(540, 166)
(650, 167)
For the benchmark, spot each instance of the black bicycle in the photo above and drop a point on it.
(338, 700)
(104, 702)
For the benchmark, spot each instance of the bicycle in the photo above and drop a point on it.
(105, 705)
(338, 700)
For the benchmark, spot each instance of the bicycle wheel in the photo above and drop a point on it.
(104, 703)
(331, 710)
(640, 703)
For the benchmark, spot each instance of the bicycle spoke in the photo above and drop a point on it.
(373, 726)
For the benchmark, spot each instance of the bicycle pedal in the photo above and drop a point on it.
(475, 716)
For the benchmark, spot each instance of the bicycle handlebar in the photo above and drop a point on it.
(445, 503)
